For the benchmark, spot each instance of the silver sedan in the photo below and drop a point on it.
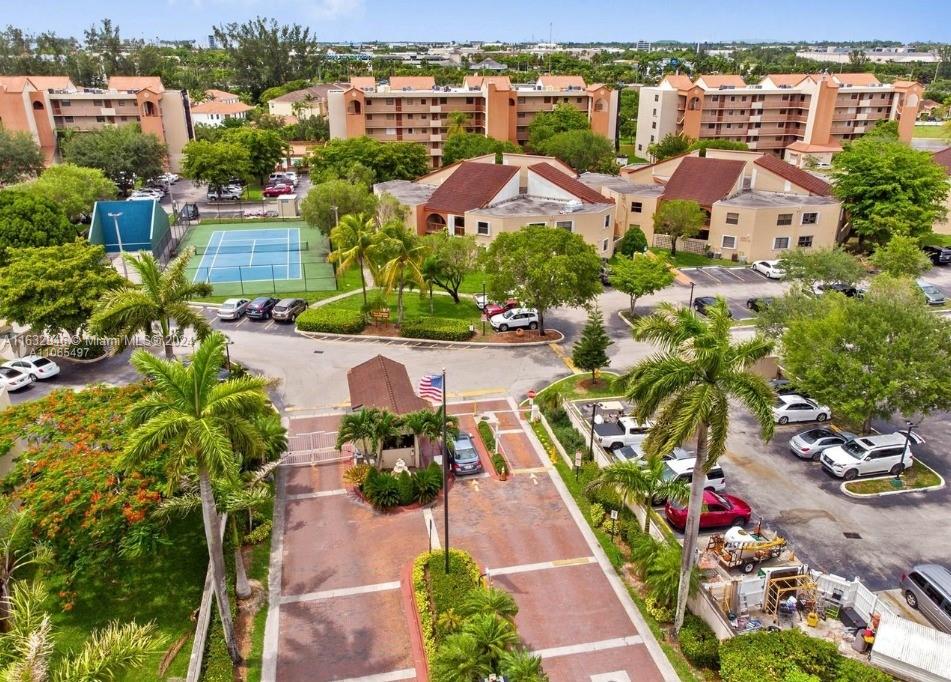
(810, 444)
(233, 309)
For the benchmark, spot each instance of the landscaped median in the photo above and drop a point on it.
(918, 478)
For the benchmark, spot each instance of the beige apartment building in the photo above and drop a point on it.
(217, 107)
(303, 103)
(45, 105)
(803, 118)
(481, 198)
(943, 158)
(415, 109)
(757, 205)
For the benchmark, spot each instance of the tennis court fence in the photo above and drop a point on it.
(311, 274)
(252, 247)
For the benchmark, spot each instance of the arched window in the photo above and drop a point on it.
(353, 107)
(694, 103)
(912, 100)
(435, 223)
(37, 106)
(511, 102)
(599, 105)
(149, 108)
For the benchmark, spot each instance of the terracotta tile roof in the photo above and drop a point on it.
(944, 158)
(796, 176)
(363, 82)
(500, 82)
(703, 180)
(569, 184)
(220, 95)
(224, 108)
(679, 81)
(412, 82)
(904, 84)
(789, 79)
(717, 81)
(561, 82)
(384, 383)
(13, 83)
(316, 92)
(136, 83)
(472, 185)
(52, 82)
(806, 147)
(859, 79)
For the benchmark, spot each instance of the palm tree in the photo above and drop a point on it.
(16, 552)
(641, 483)
(523, 666)
(494, 635)
(686, 388)
(427, 424)
(489, 600)
(372, 427)
(460, 659)
(355, 238)
(108, 653)
(207, 427)
(431, 270)
(405, 254)
(162, 297)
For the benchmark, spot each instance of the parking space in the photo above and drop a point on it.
(707, 276)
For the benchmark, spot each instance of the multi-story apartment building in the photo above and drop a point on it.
(415, 109)
(943, 158)
(793, 116)
(46, 105)
(304, 103)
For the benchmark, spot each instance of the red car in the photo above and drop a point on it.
(718, 510)
(494, 309)
(277, 190)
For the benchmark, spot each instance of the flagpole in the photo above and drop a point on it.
(445, 472)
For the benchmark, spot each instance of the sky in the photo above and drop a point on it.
(509, 20)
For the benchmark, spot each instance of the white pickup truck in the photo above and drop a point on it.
(625, 431)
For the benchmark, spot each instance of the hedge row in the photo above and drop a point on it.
(441, 591)
(331, 321)
(437, 329)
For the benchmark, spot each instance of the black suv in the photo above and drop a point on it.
(939, 255)
(261, 307)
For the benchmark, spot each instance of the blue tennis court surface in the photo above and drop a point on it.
(251, 256)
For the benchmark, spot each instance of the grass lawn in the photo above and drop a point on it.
(930, 131)
(258, 570)
(164, 587)
(415, 305)
(918, 476)
(627, 149)
(935, 239)
(685, 259)
(579, 386)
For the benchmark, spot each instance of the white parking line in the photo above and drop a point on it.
(321, 493)
(243, 320)
(541, 566)
(343, 592)
(590, 646)
(431, 529)
(269, 325)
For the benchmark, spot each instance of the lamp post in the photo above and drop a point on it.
(594, 411)
(115, 217)
(909, 425)
(484, 304)
(690, 305)
(336, 215)
(445, 473)
(228, 342)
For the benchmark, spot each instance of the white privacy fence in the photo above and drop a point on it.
(314, 448)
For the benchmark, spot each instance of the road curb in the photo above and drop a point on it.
(887, 493)
(324, 336)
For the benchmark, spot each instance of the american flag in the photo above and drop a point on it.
(430, 387)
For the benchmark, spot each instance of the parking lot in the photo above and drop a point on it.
(711, 276)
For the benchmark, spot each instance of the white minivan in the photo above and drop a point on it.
(888, 453)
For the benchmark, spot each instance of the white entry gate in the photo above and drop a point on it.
(315, 448)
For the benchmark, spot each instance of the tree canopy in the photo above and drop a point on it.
(561, 119)
(679, 219)
(120, 152)
(450, 259)
(55, 288)
(901, 257)
(640, 275)
(215, 163)
(583, 150)
(464, 145)
(887, 188)
(543, 267)
(30, 219)
(20, 156)
(318, 207)
(74, 188)
(670, 145)
(590, 351)
(265, 148)
(814, 266)
(387, 160)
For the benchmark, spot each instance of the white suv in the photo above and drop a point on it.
(516, 318)
(885, 454)
(682, 469)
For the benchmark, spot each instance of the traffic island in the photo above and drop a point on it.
(917, 478)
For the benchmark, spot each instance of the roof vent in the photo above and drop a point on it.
(572, 205)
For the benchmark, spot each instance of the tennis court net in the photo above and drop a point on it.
(253, 246)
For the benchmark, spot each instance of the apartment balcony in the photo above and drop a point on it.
(753, 132)
(756, 105)
(435, 137)
(435, 109)
(433, 123)
(107, 111)
(756, 119)
(861, 117)
(865, 102)
(435, 151)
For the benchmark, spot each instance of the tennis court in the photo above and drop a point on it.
(260, 259)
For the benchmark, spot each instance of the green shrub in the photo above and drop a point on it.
(775, 656)
(699, 644)
(381, 489)
(596, 512)
(485, 431)
(406, 487)
(498, 461)
(436, 328)
(216, 665)
(633, 241)
(259, 534)
(851, 670)
(427, 483)
(661, 613)
(331, 321)
(357, 474)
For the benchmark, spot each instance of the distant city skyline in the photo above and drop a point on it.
(613, 21)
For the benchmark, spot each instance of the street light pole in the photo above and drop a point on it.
(115, 217)
(594, 411)
(690, 305)
(445, 472)
(336, 215)
(484, 304)
(909, 425)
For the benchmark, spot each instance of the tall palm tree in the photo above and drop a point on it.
(371, 427)
(355, 238)
(427, 424)
(161, 298)
(405, 254)
(686, 388)
(641, 483)
(207, 427)
(107, 654)
(17, 551)
(490, 600)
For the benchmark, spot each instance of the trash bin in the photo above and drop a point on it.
(861, 643)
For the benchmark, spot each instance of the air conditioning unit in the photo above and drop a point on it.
(573, 205)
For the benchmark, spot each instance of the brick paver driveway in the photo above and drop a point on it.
(336, 612)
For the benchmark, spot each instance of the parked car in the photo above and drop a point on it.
(287, 309)
(480, 301)
(812, 443)
(933, 295)
(494, 309)
(261, 307)
(683, 469)
(464, 457)
(233, 309)
(759, 304)
(223, 194)
(624, 431)
(169, 178)
(636, 453)
(701, 303)
(793, 407)
(928, 589)
(605, 274)
(37, 367)
(781, 386)
(849, 290)
(13, 379)
(291, 177)
(888, 453)
(770, 268)
(142, 196)
(939, 255)
(190, 212)
(718, 511)
(277, 177)
(277, 190)
(516, 318)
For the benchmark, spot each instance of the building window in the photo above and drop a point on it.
(565, 224)
(607, 220)
(784, 219)
(482, 228)
(636, 207)
(521, 100)
(100, 119)
(97, 102)
(732, 218)
(728, 242)
(537, 225)
(580, 100)
(604, 245)
(68, 119)
(654, 125)
(810, 218)
(805, 241)
(652, 138)
(389, 100)
(656, 98)
(546, 100)
(391, 131)
(655, 112)
(780, 243)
